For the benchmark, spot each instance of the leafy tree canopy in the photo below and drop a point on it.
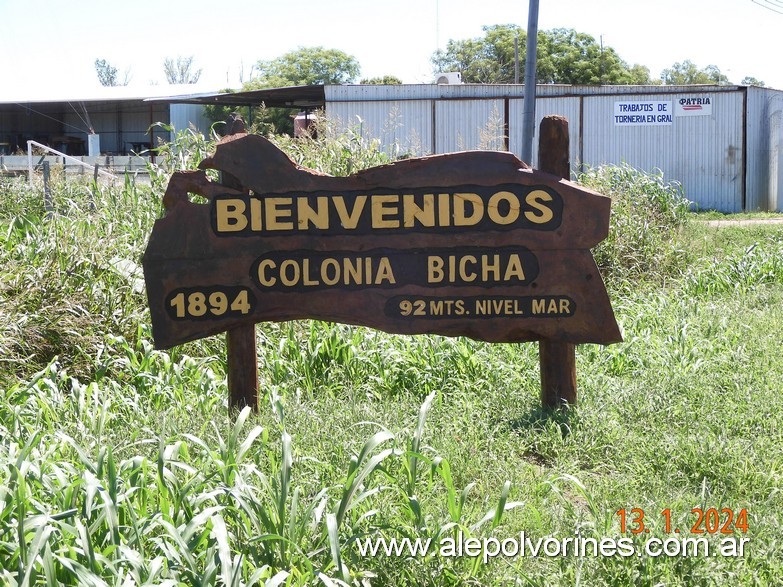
(386, 80)
(301, 67)
(306, 66)
(569, 57)
(180, 71)
(107, 74)
(752, 81)
(564, 57)
(687, 73)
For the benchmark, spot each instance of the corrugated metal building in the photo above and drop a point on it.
(723, 143)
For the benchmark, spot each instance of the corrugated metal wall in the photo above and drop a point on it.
(119, 124)
(704, 153)
(729, 156)
(183, 116)
(562, 106)
(765, 144)
(464, 125)
(404, 123)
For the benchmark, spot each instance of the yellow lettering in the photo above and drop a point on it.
(306, 273)
(335, 277)
(464, 274)
(486, 268)
(262, 276)
(444, 210)
(514, 269)
(435, 273)
(230, 215)
(381, 209)
(477, 209)
(319, 217)
(565, 306)
(412, 213)
(385, 272)
(536, 199)
(493, 208)
(349, 220)
(285, 278)
(256, 223)
(552, 309)
(352, 272)
(275, 215)
(539, 306)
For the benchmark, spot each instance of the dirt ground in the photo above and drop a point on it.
(744, 222)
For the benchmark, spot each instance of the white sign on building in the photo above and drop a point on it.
(648, 113)
(693, 106)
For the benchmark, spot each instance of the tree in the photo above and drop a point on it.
(180, 71)
(307, 66)
(687, 74)
(107, 74)
(564, 57)
(569, 57)
(483, 60)
(303, 66)
(752, 81)
(386, 80)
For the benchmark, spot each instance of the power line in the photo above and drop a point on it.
(773, 5)
(87, 124)
(49, 117)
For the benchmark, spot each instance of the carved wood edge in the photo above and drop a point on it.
(184, 182)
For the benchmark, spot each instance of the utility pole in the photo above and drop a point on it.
(529, 103)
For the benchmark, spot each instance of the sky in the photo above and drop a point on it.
(51, 46)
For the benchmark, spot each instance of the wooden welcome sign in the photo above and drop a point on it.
(469, 244)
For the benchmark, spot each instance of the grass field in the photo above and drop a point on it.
(120, 465)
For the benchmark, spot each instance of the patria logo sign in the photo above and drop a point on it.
(694, 106)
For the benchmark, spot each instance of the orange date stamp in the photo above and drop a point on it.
(701, 521)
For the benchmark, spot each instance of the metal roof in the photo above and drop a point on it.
(316, 96)
(13, 95)
(304, 97)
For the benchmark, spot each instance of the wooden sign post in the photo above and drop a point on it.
(557, 360)
(465, 244)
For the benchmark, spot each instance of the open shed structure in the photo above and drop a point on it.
(122, 118)
(723, 143)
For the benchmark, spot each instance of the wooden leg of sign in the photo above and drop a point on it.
(241, 341)
(558, 373)
(557, 359)
(242, 368)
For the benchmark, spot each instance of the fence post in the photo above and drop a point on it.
(30, 163)
(48, 205)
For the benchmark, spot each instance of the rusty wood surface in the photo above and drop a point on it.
(187, 260)
(242, 358)
(556, 359)
(241, 342)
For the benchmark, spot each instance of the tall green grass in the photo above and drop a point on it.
(647, 214)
